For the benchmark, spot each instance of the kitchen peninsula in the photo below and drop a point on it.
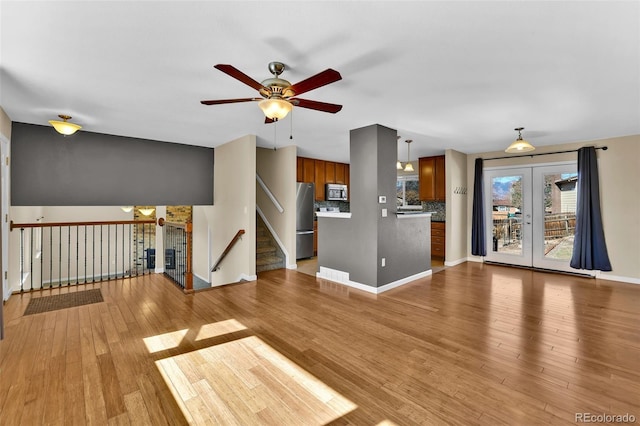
(373, 248)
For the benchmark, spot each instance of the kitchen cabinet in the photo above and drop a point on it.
(438, 238)
(321, 172)
(299, 169)
(340, 173)
(329, 172)
(319, 179)
(431, 173)
(308, 170)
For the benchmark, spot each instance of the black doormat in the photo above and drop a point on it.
(38, 305)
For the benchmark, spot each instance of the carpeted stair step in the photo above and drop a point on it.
(267, 250)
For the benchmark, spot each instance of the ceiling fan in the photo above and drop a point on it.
(278, 95)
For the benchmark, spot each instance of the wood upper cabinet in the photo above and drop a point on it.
(319, 179)
(440, 180)
(329, 172)
(299, 169)
(321, 172)
(432, 178)
(340, 170)
(308, 170)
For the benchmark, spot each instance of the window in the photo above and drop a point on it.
(407, 193)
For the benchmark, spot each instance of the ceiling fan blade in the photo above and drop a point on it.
(319, 106)
(229, 101)
(321, 79)
(239, 75)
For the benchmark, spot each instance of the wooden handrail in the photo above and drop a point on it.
(107, 222)
(228, 249)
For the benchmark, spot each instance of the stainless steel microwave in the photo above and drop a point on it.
(335, 192)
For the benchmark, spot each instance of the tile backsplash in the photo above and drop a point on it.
(438, 207)
(342, 205)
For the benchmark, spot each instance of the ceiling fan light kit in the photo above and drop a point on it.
(519, 145)
(65, 127)
(275, 109)
(278, 94)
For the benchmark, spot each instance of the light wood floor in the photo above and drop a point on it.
(472, 344)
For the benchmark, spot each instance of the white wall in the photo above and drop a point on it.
(619, 170)
(234, 209)
(456, 214)
(277, 168)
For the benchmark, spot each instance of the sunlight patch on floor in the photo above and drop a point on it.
(246, 381)
(219, 328)
(165, 341)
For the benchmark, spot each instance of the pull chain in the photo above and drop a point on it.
(291, 122)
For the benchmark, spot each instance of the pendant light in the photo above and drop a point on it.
(519, 145)
(64, 127)
(398, 163)
(408, 167)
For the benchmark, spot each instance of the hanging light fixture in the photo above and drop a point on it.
(398, 163)
(408, 167)
(519, 145)
(64, 127)
(275, 108)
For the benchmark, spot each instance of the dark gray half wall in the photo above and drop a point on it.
(94, 169)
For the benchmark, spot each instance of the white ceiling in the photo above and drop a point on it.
(458, 75)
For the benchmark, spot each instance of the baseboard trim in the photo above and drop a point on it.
(605, 276)
(245, 277)
(342, 277)
(455, 262)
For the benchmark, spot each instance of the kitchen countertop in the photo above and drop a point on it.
(338, 215)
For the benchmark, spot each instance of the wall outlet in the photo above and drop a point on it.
(383, 263)
(384, 212)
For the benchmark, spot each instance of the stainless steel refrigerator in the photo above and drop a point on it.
(305, 195)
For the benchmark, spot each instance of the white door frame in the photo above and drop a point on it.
(4, 214)
(524, 257)
(539, 259)
(532, 215)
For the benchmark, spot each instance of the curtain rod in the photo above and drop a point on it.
(604, 148)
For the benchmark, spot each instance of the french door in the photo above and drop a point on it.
(530, 215)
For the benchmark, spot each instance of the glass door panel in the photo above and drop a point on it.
(508, 216)
(555, 192)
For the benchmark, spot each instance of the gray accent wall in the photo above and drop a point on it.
(94, 169)
(358, 244)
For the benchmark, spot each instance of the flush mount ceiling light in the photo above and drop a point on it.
(519, 145)
(64, 127)
(408, 167)
(146, 212)
(127, 209)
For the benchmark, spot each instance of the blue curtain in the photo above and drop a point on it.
(478, 246)
(589, 247)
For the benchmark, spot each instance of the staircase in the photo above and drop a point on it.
(268, 254)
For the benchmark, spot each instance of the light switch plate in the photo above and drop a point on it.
(384, 212)
(382, 199)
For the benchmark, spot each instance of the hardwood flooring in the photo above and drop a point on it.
(472, 344)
